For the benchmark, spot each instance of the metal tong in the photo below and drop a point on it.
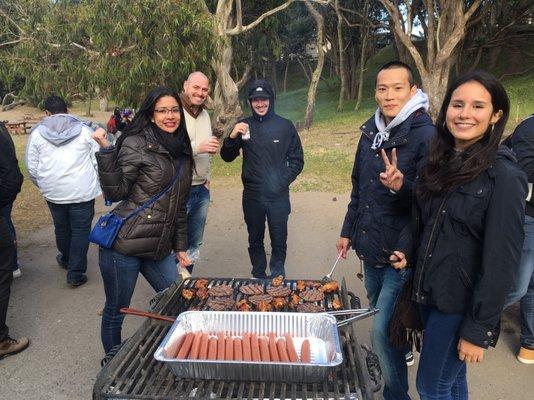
(361, 313)
(328, 278)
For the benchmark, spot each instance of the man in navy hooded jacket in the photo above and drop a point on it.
(272, 159)
(395, 139)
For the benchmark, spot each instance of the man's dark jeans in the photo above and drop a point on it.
(6, 213)
(7, 252)
(72, 223)
(276, 212)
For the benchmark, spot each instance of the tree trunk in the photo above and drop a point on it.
(435, 85)
(365, 34)
(304, 69)
(285, 74)
(103, 104)
(226, 94)
(312, 91)
(274, 76)
(343, 75)
(88, 105)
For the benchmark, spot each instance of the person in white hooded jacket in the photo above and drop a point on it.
(60, 158)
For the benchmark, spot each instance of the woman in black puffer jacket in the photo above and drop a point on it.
(144, 161)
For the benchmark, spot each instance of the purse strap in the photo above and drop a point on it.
(155, 198)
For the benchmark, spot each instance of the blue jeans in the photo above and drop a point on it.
(72, 224)
(6, 213)
(523, 286)
(119, 274)
(383, 286)
(277, 213)
(441, 375)
(197, 212)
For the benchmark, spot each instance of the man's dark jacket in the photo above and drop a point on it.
(375, 215)
(467, 252)
(522, 144)
(272, 157)
(10, 175)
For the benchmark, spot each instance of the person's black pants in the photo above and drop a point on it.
(7, 252)
(276, 212)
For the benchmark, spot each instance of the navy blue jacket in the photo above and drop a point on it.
(522, 143)
(375, 215)
(272, 157)
(466, 246)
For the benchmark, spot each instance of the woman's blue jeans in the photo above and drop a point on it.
(119, 274)
(441, 374)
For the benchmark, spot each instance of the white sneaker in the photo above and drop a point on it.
(17, 273)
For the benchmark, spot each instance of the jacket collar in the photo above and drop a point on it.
(399, 135)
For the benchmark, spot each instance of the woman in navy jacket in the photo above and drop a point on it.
(467, 234)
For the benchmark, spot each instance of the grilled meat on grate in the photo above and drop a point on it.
(252, 289)
(243, 305)
(188, 294)
(279, 291)
(337, 304)
(279, 302)
(256, 299)
(277, 281)
(312, 295)
(201, 283)
(330, 287)
(220, 303)
(264, 306)
(221, 291)
(294, 300)
(202, 293)
(309, 308)
(303, 285)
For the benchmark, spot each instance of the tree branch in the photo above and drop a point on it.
(239, 28)
(244, 78)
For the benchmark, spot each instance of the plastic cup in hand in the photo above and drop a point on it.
(246, 135)
(193, 255)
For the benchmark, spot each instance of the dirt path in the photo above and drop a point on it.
(63, 323)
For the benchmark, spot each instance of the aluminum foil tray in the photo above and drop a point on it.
(320, 329)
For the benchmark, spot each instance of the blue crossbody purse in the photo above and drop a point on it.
(108, 225)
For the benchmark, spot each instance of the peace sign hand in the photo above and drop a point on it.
(392, 177)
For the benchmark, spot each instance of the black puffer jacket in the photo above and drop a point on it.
(140, 170)
(467, 247)
(272, 157)
(10, 176)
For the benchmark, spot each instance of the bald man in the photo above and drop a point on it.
(204, 144)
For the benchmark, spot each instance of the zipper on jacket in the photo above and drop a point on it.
(441, 211)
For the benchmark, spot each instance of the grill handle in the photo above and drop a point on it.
(139, 313)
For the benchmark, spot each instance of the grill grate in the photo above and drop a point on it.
(135, 374)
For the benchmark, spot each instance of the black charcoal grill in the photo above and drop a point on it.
(133, 373)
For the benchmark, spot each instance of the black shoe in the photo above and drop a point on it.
(60, 262)
(79, 282)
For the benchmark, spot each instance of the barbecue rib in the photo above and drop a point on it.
(279, 291)
(252, 289)
(312, 295)
(221, 291)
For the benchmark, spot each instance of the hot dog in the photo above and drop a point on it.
(212, 348)
(195, 348)
(282, 351)
(273, 352)
(291, 351)
(247, 353)
(238, 349)
(220, 346)
(305, 354)
(229, 350)
(203, 354)
(264, 348)
(185, 346)
(255, 347)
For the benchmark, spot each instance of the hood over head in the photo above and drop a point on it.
(260, 88)
(60, 129)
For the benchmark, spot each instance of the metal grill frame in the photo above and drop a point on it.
(134, 373)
